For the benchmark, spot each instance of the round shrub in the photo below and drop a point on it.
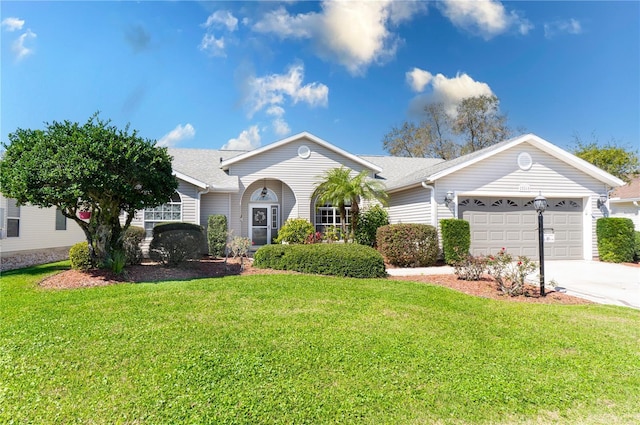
(409, 245)
(80, 257)
(133, 237)
(615, 239)
(295, 231)
(637, 247)
(368, 223)
(175, 243)
(347, 260)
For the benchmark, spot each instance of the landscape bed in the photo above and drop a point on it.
(293, 348)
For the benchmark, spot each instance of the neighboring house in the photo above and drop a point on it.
(624, 202)
(259, 190)
(493, 189)
(31, 235)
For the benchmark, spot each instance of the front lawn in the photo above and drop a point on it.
(308, 349)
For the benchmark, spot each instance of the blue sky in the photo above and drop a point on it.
(245, 74)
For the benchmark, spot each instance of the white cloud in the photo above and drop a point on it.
(177, 135)
(273, 90)
(12, 24)
(354, 34)
(275, 111)
(571, 26)
(449, 91)
(247, 140)
(284, 25)
(418, 79)
(486, 18)
(212, 45)
(20, 45)
(222, 18)
(280, 127)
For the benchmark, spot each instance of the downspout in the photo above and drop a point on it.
(434, 206)
(199, 193)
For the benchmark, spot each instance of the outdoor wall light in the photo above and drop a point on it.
(448, 198)
(540, 204)
(264, 189)
(602, 200)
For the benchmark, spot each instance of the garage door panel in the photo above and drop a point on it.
(511, 225)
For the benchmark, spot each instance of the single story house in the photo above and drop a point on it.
(493, 189)
(625, 202)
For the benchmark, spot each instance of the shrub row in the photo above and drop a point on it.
(175, 243)
(133, 236)
(347, 260)
(217, 235)
(616, 239)
(408, 245)
(456, 239)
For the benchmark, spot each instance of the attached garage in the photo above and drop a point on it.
(512, 223)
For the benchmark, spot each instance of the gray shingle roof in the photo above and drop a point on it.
(203, 165)
(395, 169)
(397, 172)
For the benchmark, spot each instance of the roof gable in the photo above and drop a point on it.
(304, 135)
(448, 167)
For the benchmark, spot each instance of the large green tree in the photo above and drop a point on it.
(339, 187)
(92, 166)
(477, 123)
(613, 157)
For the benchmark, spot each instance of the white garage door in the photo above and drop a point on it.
(512, 223)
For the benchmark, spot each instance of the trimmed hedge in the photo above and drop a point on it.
(133, 237)
(175, 243)
(456, 239)
(337, 259)
(217, 235)
(616, 239)
(408, 245)
(80, 257)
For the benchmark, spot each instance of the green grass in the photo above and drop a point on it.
(307, 349)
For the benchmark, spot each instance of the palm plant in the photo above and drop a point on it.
(338, 188)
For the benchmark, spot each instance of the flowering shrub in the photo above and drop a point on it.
(510, 274)
(470, 267)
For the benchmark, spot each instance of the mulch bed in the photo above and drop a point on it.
(154, 272)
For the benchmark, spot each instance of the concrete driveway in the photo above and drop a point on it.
(604, 283)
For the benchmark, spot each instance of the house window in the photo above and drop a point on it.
(61, 220)
(171, 211)
(13, 219)
(327, 216)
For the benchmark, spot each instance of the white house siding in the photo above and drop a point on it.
(626, 210)
(410, 206)
(213, 204)
(189, 212)
(37, 231)
(500, 175)
(283, 164)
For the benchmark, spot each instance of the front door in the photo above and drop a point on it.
(264, 224)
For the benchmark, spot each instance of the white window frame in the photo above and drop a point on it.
(333, 214)
(15, 216)
(168, 212)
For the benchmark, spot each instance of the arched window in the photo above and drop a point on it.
(171, 211)
(264, 194)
